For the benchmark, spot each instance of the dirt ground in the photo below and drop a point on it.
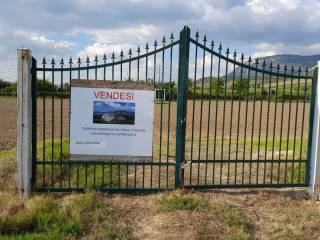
(8, 122)
(196, 121)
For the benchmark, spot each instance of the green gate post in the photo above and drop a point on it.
(184, 46)
(312, 171)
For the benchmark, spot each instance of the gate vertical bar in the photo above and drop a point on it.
(184, 47)
(34, 122)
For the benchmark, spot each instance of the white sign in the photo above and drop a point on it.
(111, 122)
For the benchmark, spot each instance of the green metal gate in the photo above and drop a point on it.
(225, 121)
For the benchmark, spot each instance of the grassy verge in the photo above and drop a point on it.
(70, 217)
(172, 215)
(214, 220)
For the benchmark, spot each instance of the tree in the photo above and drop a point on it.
(241, 87)
(4, 84)
(45, 86)
(217, 87)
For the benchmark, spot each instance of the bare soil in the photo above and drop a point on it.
(273, 120)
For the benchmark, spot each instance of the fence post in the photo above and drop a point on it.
(34, 121)
(313, 176)
(182, 99)
(24, 122)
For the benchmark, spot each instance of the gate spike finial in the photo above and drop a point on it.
(130, 52)
(264, 64)
(299, 70)
(164, 40)
(220, 48)
(104, 57)
(197, 35)
(250, 60)
(138, 50)
(147, 47)
(228, 52)
(278, 67)
(79, 60)
(112, 56)
(205, 39)
(171, 37)
(121, 54)
(235, 55)
(212, 44)
(155, 44)
(87, 60)
(307, 70)
(70, 61)
(271, 66)
(44, 61)
(96, 59)
(242, 57)
(62, 62)
(53, 62)
(285, 68)
(257, 61)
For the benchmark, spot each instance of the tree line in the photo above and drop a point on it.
(242, 88)
(44, 87)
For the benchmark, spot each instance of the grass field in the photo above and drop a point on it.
(218, 214)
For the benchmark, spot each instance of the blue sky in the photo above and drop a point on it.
(83, 27)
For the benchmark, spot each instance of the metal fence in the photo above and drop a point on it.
(225, 121)
(8, 73)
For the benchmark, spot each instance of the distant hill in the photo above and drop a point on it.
(282, 59)
(293, 60)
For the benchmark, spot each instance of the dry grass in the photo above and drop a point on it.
(227, 214)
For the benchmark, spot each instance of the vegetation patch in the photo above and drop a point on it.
(8, 170)
(224, 221)
(73, 216)
(178, 201)
(41, 214)
(206, 219)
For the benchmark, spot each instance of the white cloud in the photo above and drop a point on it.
(268, 49)
(120, 39)
(99, 48)
(269, 7)
(121, 24)
(43, 40)
(121, 34)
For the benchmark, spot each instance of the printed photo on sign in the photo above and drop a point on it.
(108, 112)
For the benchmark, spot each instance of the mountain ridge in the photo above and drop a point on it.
(289, 60)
